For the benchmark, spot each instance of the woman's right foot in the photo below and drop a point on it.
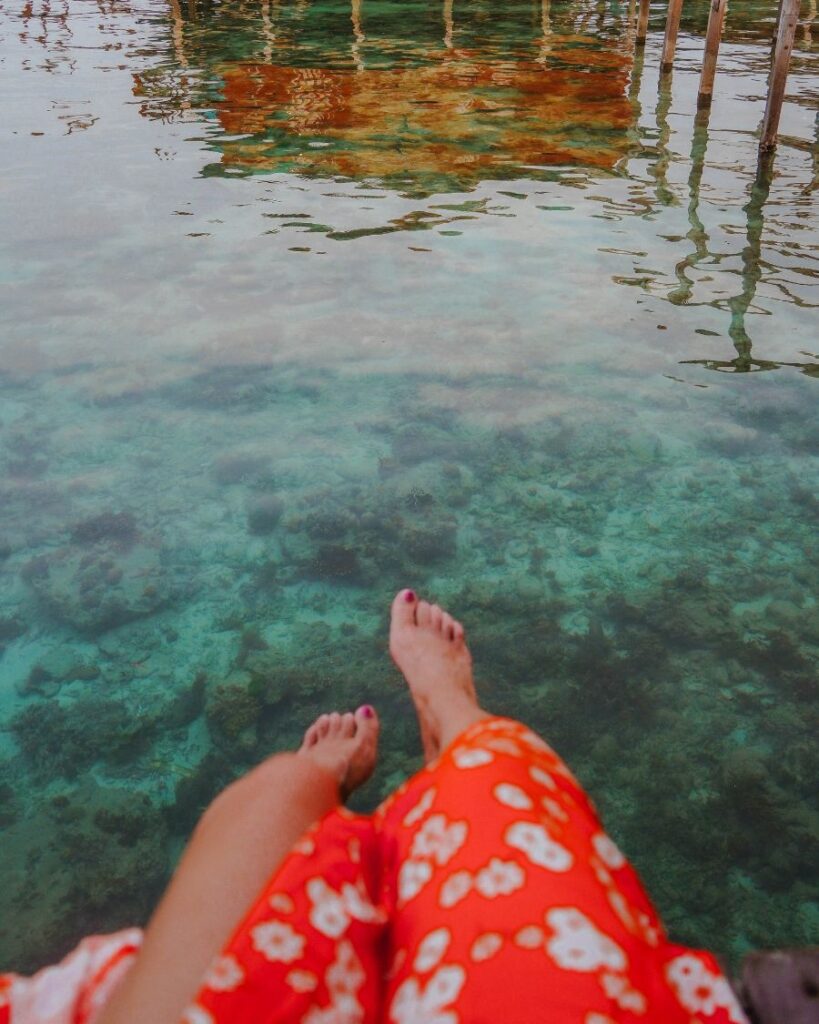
(346, 745)
(428, 646)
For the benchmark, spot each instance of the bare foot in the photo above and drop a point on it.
(346, 745)
(428, 646)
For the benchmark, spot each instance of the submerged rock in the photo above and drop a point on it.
(240, 469)
(102, 587)
(11, 627)
(116, 527)
(60, 665)
(232, 712)
(65, 739)
(264, 513)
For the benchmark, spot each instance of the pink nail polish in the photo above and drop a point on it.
(368, 711)
(409, 596)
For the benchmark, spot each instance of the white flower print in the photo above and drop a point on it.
(455, 888)
(499, 878)
(534, 841)
(512, 796)
(414, 1005)
(354, 850)
(302, 981)
(281, 902)
(465, 758)
(532, 739)
(620, 906)
(329, 1015)
(328, 914)
(421, 808)
(530, 937)
(617, 987)
(224, 974)
(607, 850)
(305, 846)
(431, 950)
(196, 1015)
(344, 977)
(439, 839)
(485, 946)
(358, 904)
(597, 1018)
(553, 807)
(578, 945)
(412, 878)
(331, 910)
(504, 746)
(650, 932)
(544, 778)
(700, 990)
(276, 940)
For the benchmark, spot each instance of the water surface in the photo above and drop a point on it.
(305, 301)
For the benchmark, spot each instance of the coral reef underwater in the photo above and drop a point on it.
(646, 601)
(282, 331)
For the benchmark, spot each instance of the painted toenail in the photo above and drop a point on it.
(409, 596)
(368, 711)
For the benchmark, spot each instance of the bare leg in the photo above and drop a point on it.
(428, 645)
(241, 839)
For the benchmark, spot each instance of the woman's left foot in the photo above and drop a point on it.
(346, 745)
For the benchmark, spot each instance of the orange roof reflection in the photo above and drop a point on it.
(457, 115)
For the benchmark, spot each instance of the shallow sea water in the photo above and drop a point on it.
(301, 302)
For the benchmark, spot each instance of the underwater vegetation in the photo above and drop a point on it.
(649, 607)
(221, 453)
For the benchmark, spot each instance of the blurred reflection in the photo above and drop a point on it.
(696, 234)
(752, 263)
(474, 101)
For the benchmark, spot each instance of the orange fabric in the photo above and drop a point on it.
(483, 890)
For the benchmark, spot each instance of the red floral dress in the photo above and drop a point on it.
(483, 890)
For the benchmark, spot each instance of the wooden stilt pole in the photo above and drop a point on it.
(709, 64)
(546, 30)
(449, 24)
(785, 32)
(672, 25)
(642, 22)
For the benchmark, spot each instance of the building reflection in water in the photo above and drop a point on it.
(447, 110)
(427, 98)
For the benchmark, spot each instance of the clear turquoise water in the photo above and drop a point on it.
(302, 303)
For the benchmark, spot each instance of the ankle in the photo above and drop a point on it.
(454, 717)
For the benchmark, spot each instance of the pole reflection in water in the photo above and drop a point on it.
(659, 169)
(696, 233)
(751, 273)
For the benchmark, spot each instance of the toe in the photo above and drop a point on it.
(334, 726)
(448, 626)
(347, 725)
(322, 725)
(436, 617)
(311, 736)
(458, 631)
(367, 723)
(423, 613)
(403, 609)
